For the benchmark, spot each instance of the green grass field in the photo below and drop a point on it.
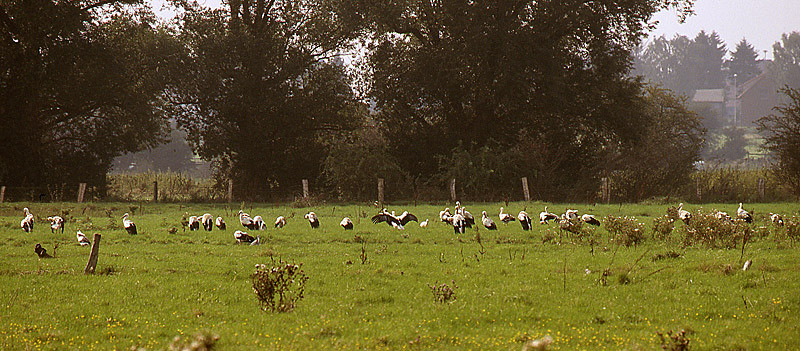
(512, 286)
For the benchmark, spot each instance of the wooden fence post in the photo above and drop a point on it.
(761, 187)
(92, 264)
(81, 191)
(380, 192)
(230, 190)
(525, 189)
(155, 191)
(606, 190)
(453, 189)
(2, 193)
(305, 188)
(699, 190)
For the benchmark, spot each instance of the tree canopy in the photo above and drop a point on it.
(80, 83)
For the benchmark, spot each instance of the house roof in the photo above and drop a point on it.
(709, 95)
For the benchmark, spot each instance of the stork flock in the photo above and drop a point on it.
(460, 219)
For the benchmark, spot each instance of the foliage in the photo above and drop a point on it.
(279, 288)
(782, 134)
(786, 63)
(743, 62)
(662, 227)
(482, 173)
(172, 187)
(707, 230)
(665, 156)
(81, 83)
(626, 231)
(682, 64)
(674, 342)
(443, 293)
(505, 73)
(263, 89)
(201, 341)
(733, 145)
(352, 167)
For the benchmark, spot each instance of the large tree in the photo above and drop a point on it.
(782, 133)
(79, 84)
(452, 73)
(743, 62)
(786, 66)
(704, 59)
(263, 90)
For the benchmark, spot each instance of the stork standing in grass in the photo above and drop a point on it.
(488, 222)
(208, 222)
(684, 215)
(524, 220)
(82, 239)
(505, 217)
(571, 214)
(589, 219)
(546, 216)
(27, 222)
(245, 220)
(776, 219)
(445, 216)
(744, 215)
(423, 224)
(312, 219)
(258, 223)
(56, 223)
(220, 223)
(194, 223)
(280, 222)
(389, 218)
(129, 225)
(346, 223)
(459, 223)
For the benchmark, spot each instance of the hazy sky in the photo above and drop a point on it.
(761, 22)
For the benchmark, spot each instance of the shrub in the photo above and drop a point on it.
(280, 287)
(706, 229)
(201, 341)
(443, 293)
(674, 342)
(662, 227)
(625, 230)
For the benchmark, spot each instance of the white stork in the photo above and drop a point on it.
(346, 223)
(389, 218)
(242, 237)
(571, 214)
(505, 217)
(129, 225)
(722, 215)
(776, 219)
(82, 239)
(194, 223)
(220, 223)
(245, 220)
(459, 223)
(445, 215)
(589, 219)
(468, 219)
(684, 215)
(742, 214)
(312, 219)
(280, 222)
(488, 222)
(258, 223)
(27, 222)
(546, 216)
(56, 223)
(208, 222)
(524, 220)
(423, 224)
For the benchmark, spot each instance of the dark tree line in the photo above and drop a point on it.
(480, 91)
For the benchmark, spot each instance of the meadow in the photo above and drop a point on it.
(370, 287)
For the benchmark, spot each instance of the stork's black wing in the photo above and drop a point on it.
(408, 218)
(381, 217)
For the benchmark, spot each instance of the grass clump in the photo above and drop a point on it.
(627, 231)
(443, 293)
(280, 287)
(707, 230)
